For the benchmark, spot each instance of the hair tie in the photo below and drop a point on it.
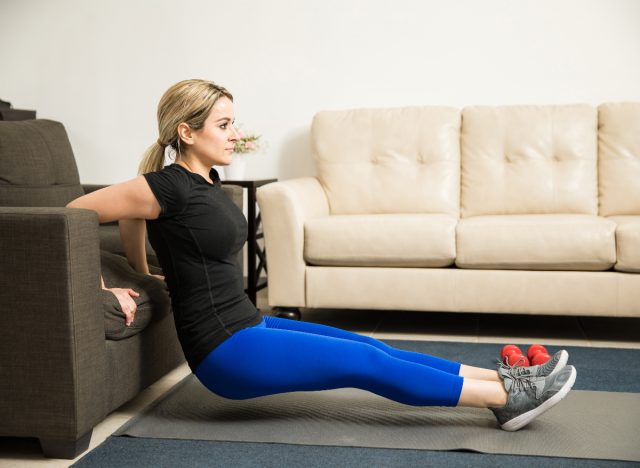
(160, 143)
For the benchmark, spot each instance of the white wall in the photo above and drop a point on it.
(101, 66)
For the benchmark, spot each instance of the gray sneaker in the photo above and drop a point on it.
(553, 365)
(529, 397)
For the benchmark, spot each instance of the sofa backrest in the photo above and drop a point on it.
(37, 167)
(398, 160)
(529, 159)
(619, 158)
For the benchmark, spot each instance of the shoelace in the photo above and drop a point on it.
(520, 384)
(515, 370)
(519, 380)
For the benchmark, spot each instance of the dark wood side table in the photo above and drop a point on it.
(256, 255)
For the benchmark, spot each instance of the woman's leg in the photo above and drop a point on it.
(479, 373)
(261, 361)
(419, 358)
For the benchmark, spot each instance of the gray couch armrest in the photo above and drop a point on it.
(52, 342)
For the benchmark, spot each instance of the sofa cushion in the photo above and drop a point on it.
(619, 158)
(536, 242)
(152, 303)
(627, 243)
(529, 160)
(110, 241)
(385, 240)
(37, 166)
(399, 160)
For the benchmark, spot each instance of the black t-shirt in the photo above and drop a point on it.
(196, 238)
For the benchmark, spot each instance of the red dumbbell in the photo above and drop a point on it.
(509, 349)
(517, 359)
(535, 349)
(540, 358)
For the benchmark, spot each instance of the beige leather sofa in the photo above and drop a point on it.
(516, 209)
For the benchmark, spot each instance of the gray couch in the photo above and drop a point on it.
(66, 360)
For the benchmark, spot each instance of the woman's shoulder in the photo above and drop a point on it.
(171, 187)
(169, 174)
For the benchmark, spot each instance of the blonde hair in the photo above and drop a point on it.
(189, 101)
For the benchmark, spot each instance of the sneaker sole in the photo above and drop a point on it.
(562, 362)
(525, 418)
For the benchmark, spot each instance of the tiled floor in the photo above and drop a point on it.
(576, 331)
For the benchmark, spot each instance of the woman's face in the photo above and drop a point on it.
(213, 143)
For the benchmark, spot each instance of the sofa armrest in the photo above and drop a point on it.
(52, 341)
(284, 207)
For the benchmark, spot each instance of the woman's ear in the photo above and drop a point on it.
(185, 133)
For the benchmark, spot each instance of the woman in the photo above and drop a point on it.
(196, 231)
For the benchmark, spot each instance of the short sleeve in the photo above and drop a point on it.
(171, 189)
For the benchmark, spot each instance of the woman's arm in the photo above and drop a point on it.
(132, 234)
(127, 200)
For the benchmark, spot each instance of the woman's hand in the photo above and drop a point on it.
(127, 304)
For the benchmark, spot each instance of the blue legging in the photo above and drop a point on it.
(280, 355)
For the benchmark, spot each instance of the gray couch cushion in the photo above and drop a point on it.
(110, 241)
(153, 302)
(37, 166)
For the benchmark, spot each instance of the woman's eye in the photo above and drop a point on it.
(223, 126)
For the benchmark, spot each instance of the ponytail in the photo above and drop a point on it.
(152, 160)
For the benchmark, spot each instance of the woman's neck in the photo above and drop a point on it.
(196, 167)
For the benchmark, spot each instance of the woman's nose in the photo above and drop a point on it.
(235, 135)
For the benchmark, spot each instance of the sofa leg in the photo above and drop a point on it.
(54, 448)
(291, 313)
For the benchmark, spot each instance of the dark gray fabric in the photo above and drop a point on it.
(585, 424)
(110, 241)
(137, 362)
(152, 303)
(37, 167)
(52, 366)
(59, 376)
(129, 452)
(50, 195)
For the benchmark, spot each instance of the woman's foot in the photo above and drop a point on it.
(529, 397)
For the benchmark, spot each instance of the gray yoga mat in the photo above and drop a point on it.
(586, 424)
